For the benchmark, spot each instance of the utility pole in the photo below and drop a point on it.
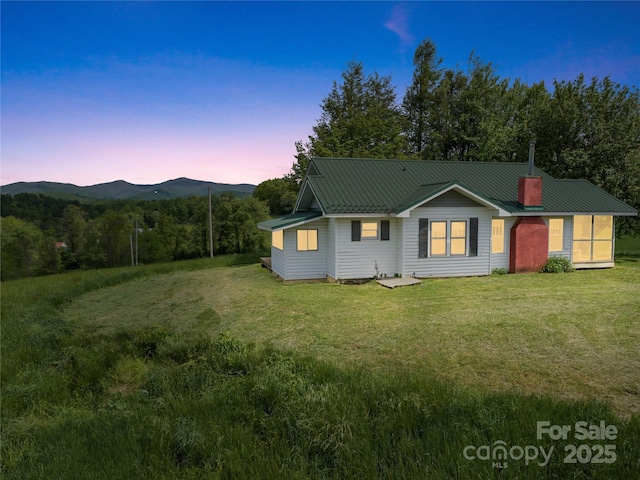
(131, 245)
(210, 227)
(136, 243)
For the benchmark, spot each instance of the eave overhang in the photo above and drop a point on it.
(289, 221)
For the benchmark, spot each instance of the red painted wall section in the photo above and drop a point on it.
(529, 245)
(530, 191)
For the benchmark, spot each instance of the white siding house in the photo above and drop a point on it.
(365, 218)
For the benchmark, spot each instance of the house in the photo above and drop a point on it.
(364, 218)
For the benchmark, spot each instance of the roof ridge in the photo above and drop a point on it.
(420, 160)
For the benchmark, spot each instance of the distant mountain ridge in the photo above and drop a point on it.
(121, 190)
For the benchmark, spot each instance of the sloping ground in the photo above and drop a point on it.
(572, 336)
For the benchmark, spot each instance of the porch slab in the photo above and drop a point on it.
(398, 282)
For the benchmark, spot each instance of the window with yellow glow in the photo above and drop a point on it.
(556, 227)
(593, 238)
(458, 238)
(602, 227)
(602, 237)
(277, 239)
(497, 236)
(307, 240)
(582, 227)
(369, 230)
(438, 238)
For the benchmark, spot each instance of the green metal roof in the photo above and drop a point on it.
(360, 186)
(288, 221)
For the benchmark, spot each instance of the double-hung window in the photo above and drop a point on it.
(441, 238)
(458, 238)
(369, 230)
(555, 234)
(497, 235)
(438, 238)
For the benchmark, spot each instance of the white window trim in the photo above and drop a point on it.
(503, 248)
(561, 235)
(448, 239)
(362, 236)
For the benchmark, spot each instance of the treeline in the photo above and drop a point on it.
(587, 129)
(43, 235)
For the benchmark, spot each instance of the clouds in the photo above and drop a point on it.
(398, 23)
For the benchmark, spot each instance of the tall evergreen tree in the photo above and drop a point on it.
(420, 99)
(360, 119)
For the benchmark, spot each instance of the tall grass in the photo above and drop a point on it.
(154, 402)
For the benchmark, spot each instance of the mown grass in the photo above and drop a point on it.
(566, 335)
(184, 371)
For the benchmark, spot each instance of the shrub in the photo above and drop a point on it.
(557, 265)
(499, 271)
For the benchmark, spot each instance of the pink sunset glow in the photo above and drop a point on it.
(221, 91)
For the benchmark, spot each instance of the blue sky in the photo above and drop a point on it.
(148, 91)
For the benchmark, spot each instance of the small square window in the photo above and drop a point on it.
(369, 230)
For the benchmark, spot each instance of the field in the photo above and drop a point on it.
(196, 370)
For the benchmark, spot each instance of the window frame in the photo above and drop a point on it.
(279, 245)
(363, 230)
(499, 236)
(451, 238)
(445, 237)
(557, 237)
(448, 238)
(306, 249)
(594, 240)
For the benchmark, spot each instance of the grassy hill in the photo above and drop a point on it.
(179, 187)
(201, 370)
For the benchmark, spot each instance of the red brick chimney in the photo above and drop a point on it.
(529, 241)
(530, 187)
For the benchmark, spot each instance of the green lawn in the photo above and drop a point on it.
(342, 381)
(566, 335)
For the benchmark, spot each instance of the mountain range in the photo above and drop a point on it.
(179, 187)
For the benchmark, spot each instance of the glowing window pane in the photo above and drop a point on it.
(581, 251)
(602, 250)
(369, 229)
(458, 229)
(439, 246)
(458, 246)
(307, 240)
(582, 227)
(497, 236)
(277, 239)
(312, 240)
(602, 227)
(555, 234)
(438, 229)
